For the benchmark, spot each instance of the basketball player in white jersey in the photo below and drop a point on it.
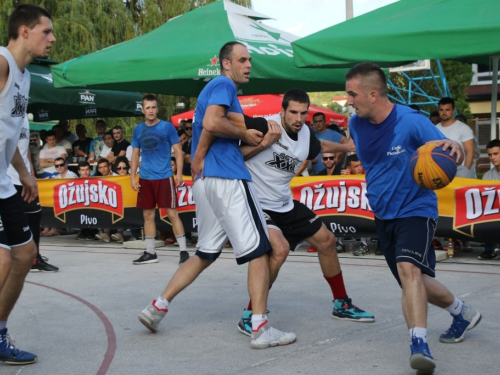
(30, 36)
(272, 165)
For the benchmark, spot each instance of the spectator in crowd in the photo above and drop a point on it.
(68, 135)
(98, 142)
(434, 117)
(181, 132)
(43, 134)
(81, 147)
(457, 131)
(333, 126)
(120, 145)
(121, 168)
(60, 141)
(186, 148)
(491, 250)
(104, 168)
(332, 168)
(34, 150)
(49, 153)
(353, 166)
(415, 107)
(84, 170)
(109, 141)
(322, 133)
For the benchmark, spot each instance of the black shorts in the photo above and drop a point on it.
(15, 230)
(31, 207)
(408, 239)
(296, 225)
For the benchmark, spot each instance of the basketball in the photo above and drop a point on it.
(431, 167)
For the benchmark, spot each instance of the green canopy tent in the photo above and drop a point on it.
(410, 30)
(181, 56)
(45, 125)
(48, 103)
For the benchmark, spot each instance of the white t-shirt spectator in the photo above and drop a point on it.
(52, 153)
(104, 152)
(458, 132)
(69, 174)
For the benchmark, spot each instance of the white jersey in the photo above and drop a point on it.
(13, 105)
(273, 169)
(23, 145)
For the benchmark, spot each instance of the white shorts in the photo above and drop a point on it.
(229, 209)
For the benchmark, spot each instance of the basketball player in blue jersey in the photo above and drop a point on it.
(226, 204)
(30, 36)
(386, 135)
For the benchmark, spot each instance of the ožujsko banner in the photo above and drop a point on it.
(468, 209)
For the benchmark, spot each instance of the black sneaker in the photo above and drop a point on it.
(487, 255)
(184, 257)
(361, 250)
(146, 258)
(41, 265)
(340, 247)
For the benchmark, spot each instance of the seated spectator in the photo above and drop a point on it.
(34, 149)
(104, 168)
(331, 165)
(98, 142)
(81, 147)
(62, 167)
(49, 153)
(58, 130)
(120, 145)
(353, 166)
(68, 135)
(434, 117)
(88, 234)
(84, 169)
(122, 168)
(491, 250)
(109, 141)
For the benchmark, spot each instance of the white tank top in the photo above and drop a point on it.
(13, 117)
(273, 169)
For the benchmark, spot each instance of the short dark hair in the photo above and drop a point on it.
(188, 121)
(415, 107)
(172, 158)
(371, 74)
(83, 163)
(434, 114)
(493, 143)
(461, 117)
(100, 123)
(447, 100)
(118, 127)
(121, 159)
(350, 159)
(181, 131)
(295, 95)
(103, 161)
(226, 51)
(149, 98)
(25, 15)
(319, 114)
(109, 132)
(50, 133)
(60, 158)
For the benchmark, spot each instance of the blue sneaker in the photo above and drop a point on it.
(12, 355)
(421, 358)
(343, 309)
(245, 324)
(466, 320)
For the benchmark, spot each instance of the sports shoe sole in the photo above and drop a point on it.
(474, 322)
(146, 262)
(19, 362)
(244, 331)
(360, 320)
(144, 319)
(422, 364)
(270, 344)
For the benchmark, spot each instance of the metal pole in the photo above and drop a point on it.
(494, 95)
(348, 9)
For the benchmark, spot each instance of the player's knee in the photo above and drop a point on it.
(280, 251)
(408, 271)
(149, 215)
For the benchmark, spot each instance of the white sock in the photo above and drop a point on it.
(150, 245)
(181, 240)
(258, 321)
(455, 308)
(419, 332)
(363, 241)
(340, 240)
(161, 303)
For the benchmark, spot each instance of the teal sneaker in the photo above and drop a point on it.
(343, 309)
(420, 357)
(245, 324)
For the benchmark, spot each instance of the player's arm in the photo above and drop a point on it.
(341, 155)
(469, 152)
(271, 129)
(4, 72)
(134, 164)
(347, 146)
(179, 162)
(30, 188)
(302, 168)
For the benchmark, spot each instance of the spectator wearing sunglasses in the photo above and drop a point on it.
(62, 169)
(332, 168)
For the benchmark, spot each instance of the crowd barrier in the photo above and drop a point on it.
(468, 209)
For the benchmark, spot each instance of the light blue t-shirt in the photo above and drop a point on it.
(155, 143)
(96, 146)
(328, 135)
(224, 158)
(385, 150)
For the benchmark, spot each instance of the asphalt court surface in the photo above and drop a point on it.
(83, 319)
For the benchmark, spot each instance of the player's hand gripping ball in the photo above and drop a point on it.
(431, 167)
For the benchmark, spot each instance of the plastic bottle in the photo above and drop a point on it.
(451, 247)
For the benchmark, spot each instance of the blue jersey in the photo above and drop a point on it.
(328, 135)
(224, 158)
(155, 143)
(385, 150)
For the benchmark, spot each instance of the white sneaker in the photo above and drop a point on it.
(117, 237)
(268, 336)
(151, 316)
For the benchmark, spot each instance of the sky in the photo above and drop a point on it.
(304, 17)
